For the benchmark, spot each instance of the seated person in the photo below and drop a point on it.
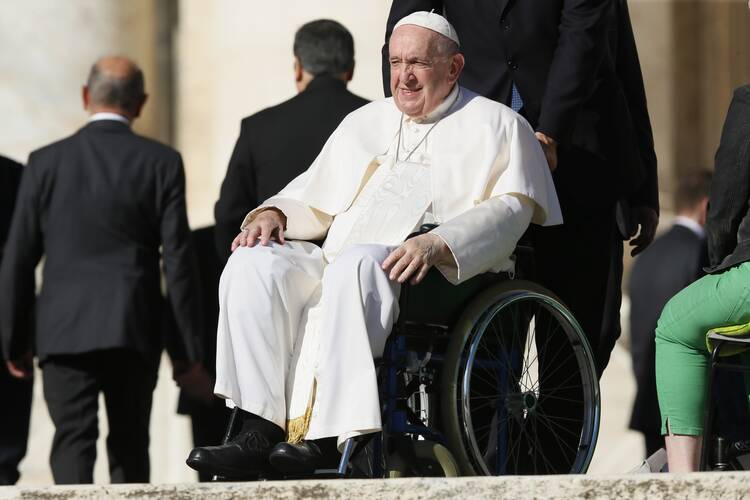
(720, 298)
(299, 325)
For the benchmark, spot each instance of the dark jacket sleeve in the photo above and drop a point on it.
(23, 250)
(238, 194)
(180, 264)
(399, 9)
(581, 45)
(629, 73)
(730, 187)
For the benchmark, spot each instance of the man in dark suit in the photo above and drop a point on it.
(99, 205)
(570, 67)
(208, 414)
(16, 393)
(279, 143)
(671, 263)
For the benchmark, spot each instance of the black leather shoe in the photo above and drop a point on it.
(301, 458)
(244, 457)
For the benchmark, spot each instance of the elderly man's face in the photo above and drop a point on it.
(421, 77)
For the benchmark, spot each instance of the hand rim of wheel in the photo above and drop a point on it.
(479, 313)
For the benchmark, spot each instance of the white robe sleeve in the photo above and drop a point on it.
(484, 236)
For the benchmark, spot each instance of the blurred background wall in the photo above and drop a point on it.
(210, 63)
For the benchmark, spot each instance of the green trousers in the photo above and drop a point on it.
(682, 359)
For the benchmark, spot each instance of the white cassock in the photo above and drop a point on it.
(299, 325)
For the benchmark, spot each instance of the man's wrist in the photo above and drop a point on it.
(268, 209)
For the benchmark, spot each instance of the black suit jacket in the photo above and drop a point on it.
(575, 65)
(669, 264)
(10, 178)
(275, 145)
(98, 206)
(728, 223)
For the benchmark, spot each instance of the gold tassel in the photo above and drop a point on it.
(296, 428)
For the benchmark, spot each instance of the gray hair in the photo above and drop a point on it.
(120, 91)
(444, 46)
(324, 47)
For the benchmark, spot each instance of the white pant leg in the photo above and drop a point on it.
(359, 307)
(262, 296)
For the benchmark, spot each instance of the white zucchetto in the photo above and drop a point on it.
(431, 21)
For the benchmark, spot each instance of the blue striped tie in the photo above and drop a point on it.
(516, 103)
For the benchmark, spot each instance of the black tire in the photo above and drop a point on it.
(497, 418)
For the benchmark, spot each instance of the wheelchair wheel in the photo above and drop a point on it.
(520, 394)
(427, 459)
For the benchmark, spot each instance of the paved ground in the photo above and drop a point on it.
(618, 449)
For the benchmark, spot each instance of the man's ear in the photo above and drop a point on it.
(349, 74)
(298, 71)
(85, 97)
(139, 106)
(703, 210)
(457, 65)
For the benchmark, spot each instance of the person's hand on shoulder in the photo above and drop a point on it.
(268, 225)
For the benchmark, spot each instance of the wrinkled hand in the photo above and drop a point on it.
(416, 255)
(195, 380)
(266, 226)
(549, 146)
(23, 367)
(647, 219)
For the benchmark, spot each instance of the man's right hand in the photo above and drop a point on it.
(267, 226)
(22, 368)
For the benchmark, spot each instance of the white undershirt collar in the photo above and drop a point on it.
(690, 224)
(439, 111)
(104, 115)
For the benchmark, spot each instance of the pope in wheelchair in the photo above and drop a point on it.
(300, 325)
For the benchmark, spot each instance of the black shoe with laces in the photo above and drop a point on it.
(244, 457)
(304, 457)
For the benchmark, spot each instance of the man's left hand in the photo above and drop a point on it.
(21, 368)
(416, 255)
(195, 380)
(647, 219)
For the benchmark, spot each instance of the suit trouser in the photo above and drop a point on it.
(72, 384)
(581, 260)
(578, 262)
(14, 424)
(208, 424)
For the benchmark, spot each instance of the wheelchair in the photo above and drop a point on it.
(491, 377)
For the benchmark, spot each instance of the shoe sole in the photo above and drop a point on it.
(290, 467)
(228, 473)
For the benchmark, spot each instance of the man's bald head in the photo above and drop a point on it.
(115, 84)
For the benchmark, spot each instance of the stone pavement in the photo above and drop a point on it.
(652, 487)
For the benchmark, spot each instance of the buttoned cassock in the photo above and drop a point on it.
(299, 325)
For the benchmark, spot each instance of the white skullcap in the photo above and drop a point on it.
(431, 21)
